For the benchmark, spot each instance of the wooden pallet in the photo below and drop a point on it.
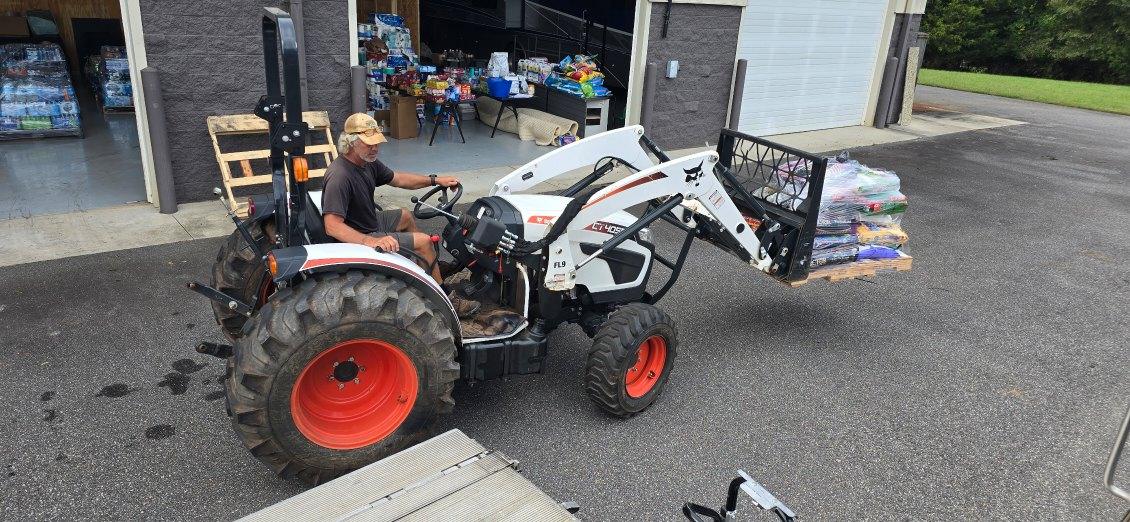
(856, 269)
(250, 124)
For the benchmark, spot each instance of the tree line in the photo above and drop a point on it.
(1086, 40)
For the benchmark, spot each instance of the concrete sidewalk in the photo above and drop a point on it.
(54, 236)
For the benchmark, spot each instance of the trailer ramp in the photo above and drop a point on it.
(448, 477)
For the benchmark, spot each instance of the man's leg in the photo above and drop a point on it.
(407, 222)
(422, 245)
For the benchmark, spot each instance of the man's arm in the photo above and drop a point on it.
(413, 181)
(337, 229)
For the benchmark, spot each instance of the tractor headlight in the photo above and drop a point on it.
(645, 235)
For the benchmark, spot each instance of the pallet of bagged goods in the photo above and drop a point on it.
(859, 226)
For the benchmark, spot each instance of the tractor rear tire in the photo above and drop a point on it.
(630, 359)
(340, 371)
(239, 274)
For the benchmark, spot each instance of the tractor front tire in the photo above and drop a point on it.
(630, 359)
(340, 371)
(238, 273)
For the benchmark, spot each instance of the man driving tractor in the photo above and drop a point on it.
(348, 209)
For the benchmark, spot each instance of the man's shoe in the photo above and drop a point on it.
(465, 308)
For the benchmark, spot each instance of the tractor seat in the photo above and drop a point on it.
(312, 215)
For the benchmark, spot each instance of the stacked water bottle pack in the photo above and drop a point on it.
(37, 97)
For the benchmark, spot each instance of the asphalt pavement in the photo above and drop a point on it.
(987, 383)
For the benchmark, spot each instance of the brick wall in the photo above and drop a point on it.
(689, 110)
(210, 57)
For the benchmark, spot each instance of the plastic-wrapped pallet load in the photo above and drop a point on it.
(860, 217)
(37, 98)
(109, 77)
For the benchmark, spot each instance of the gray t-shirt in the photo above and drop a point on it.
(348, 192)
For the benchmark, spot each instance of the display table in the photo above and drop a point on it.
(448, 107)
(513, 103)
(451, 109)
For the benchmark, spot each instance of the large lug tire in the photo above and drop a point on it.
(292, 393)
(630, 359)
(239, 274)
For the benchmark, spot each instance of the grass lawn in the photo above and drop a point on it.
(1095, 96)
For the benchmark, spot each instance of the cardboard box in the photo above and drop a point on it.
(384, 118)
(403, 124)
(13, 26)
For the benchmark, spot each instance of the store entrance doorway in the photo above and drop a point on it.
(68, 131)
(427, 50)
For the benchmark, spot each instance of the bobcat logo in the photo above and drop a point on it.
(694, 174)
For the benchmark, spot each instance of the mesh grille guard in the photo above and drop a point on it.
(786, 183)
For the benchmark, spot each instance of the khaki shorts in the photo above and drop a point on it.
(388, 220)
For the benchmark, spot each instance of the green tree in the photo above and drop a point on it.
(955, 32)
(1084, 39)
(1068, 39)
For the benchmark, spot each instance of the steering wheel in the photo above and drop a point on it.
(446, 201)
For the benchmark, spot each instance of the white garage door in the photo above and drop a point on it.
(810, 63)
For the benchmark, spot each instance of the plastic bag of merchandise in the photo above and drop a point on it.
(826, 241)
(867, 252)
(389, 19)
(499, 65)
(850, 176)
(882, 235)
(565, 85)
(830, 256)
(885, 209)
(857, 193)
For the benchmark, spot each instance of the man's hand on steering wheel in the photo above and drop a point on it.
(447, 181)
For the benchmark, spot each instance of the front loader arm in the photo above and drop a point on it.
(623, 144)
(690, 178)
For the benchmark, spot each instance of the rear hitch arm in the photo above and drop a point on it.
(232, 303)
(223, 351)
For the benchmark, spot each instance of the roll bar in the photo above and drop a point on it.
(282, 108)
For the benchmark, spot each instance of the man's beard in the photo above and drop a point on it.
(369, 158)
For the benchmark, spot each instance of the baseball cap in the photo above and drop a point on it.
(365, 126)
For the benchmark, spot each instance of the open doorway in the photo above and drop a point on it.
(68, 130)
(455, 40)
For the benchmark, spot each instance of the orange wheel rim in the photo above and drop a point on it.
(354, 394)
(650, 359)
